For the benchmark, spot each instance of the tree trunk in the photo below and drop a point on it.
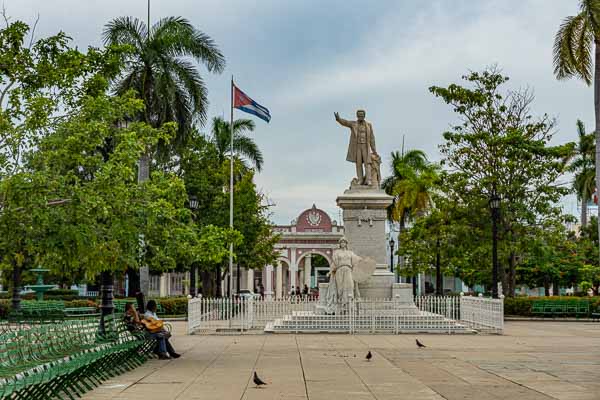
(546, 286)
(218, 279)
(207, 286)
(512, 275)
(238, 278)
(583, 212)
(555, 288)
(193, 280)
(143, 176)
(597, 115)
(439, 282)
(134, 282)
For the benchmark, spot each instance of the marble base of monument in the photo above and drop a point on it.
(392, 315)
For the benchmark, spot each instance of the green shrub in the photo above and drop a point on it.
(174, 305)
(80, 303)
(62, 292)
(521, 306)
(518, 306)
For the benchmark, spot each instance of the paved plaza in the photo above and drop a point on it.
(532, 361)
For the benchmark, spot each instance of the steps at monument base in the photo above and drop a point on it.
(309, 322)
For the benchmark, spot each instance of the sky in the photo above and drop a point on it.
(306, 59)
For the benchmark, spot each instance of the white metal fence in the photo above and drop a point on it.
(482, 314)
(223, 314)
(299, 314)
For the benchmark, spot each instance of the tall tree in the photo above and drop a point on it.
(42, 82)
(583, 166)
(576, 39)
(243, 145)
(160, 70)
(500, 149)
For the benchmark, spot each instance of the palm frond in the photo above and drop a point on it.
(242, 144)
(571, 56)
(591, 8)
(125, 30)
(192, 84)
(179, 38)
(248, 148)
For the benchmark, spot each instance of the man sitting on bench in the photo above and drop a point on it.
(154, 326)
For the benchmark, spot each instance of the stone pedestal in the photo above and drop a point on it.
(365, 215)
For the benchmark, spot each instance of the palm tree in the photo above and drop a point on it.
(159, 68)
(242, 144)
(410, 170)
(411, 185)
(575, 40)
(583, 167)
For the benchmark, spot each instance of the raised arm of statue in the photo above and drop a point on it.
(342, 121)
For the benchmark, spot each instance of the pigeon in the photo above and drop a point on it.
(419, 344)
(369, 356)
(257, 381)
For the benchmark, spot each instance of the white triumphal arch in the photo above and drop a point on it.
(313, 234)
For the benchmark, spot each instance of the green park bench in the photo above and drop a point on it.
(67, 358)
(564, 308)
(44, 308)
(81, 311)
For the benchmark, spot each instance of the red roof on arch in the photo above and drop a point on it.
(314, 220)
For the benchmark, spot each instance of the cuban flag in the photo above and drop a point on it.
(241, 101)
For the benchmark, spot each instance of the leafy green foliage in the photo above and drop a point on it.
(498, 148)
(70, 200)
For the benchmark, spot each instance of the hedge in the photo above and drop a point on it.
(174, 305)
(521, 306)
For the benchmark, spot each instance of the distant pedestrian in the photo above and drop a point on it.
(293, 291)
(305, 291)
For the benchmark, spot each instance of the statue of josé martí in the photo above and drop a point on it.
(361, 149)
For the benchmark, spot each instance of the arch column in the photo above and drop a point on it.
(307, 269)
(293, 268)
(279, 281)
(250, 279)
(269, 282)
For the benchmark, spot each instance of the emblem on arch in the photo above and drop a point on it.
(314, 218)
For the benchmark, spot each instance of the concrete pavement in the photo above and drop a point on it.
(533, 360)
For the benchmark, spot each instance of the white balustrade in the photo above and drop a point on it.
(443, 314)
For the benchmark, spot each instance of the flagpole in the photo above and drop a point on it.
(231, 194)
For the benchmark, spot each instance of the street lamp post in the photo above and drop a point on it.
(193, 202)
(495, 209)
(392, 244)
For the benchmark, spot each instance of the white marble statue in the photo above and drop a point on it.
(341, 285)
(361, 146)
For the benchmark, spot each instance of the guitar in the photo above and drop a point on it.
(152, 325)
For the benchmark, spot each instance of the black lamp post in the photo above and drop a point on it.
(392, 244)
(495, 208)
(193, 201)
